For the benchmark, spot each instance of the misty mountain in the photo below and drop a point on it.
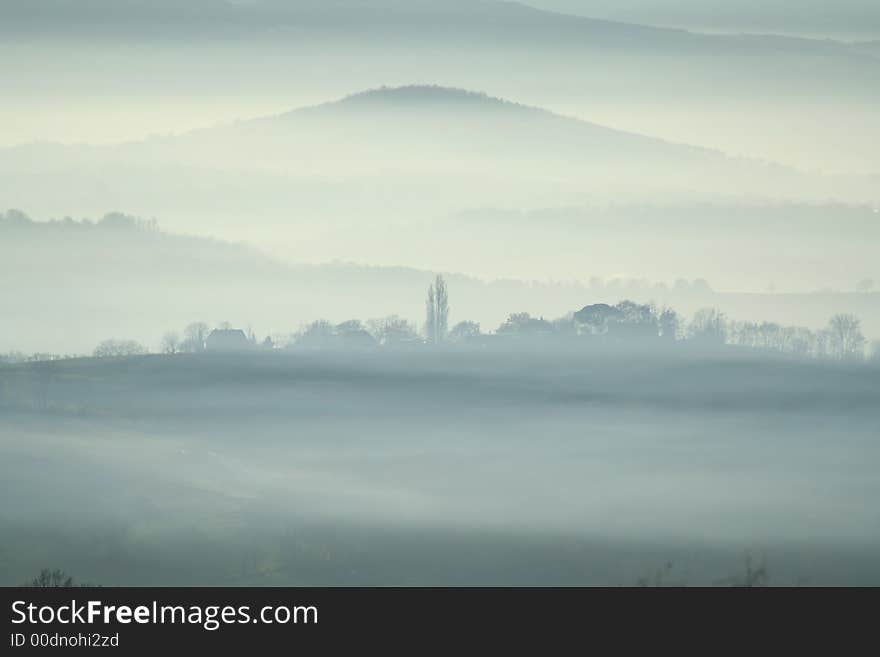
(804, 17)
(415, 125)
(173, 66)
(401, 19)
(435, 131)
(440, 179)
(405, 151)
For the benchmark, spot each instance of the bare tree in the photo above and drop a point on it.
(318, 334)
(670, 324)
(54, 579)
(194, 337)
(660, 576)
(51, 579)
(170, 343)
(392, 331)
(755, 573)
(709, 326)
(524, 325)
(845, 335)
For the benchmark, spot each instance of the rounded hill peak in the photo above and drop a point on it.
(422, 94)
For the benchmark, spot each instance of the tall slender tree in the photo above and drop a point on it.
(431, 315)
(437, 311)
(442, 308)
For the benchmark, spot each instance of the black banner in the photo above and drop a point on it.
(414, 620)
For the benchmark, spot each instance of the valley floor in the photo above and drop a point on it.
(440, 468)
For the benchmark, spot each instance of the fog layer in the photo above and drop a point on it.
(439, 468)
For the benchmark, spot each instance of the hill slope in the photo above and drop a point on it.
(380, 151)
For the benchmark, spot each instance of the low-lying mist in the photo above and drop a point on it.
(439, 467)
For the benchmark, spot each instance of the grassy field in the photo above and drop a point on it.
(441, 468)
